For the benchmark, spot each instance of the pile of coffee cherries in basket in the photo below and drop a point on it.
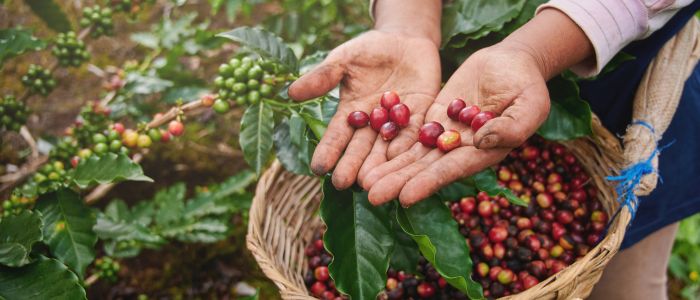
(512, 247)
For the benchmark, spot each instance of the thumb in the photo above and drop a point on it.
(319, 81)
(517, 123)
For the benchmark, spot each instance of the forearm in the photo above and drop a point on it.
(419, 18)
(553, 40)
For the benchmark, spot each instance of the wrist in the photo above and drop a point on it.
(553, 41)
(411, 18)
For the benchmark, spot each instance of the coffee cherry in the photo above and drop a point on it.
(485, 209)
(389, 131)
(164, 136)
(38, 80)
(358, 119)
(318, 288)
(130, 138)
(321, 273)
(425, 290)
(207, 100)
(467, 114)
(389, 99)
(498, 234)
(176, 128)
(69, 50)
(558, 230)
(378, 117)
(400, 114)
(544, 200)
(449, 140)
(144, 141)
(505, 276)
(467, 205)
(529, 282)
(599, 216)
(429, 133)
(564, 217)
(454, 108)
(13, 113)
(221, 106)
(118, 127)
(100, 18)
(480, 119)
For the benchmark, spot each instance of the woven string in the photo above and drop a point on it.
(630, 177)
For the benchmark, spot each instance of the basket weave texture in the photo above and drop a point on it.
(283, 216)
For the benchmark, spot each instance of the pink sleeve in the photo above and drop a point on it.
(612, 24)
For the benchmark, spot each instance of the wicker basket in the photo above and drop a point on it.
(283, 216)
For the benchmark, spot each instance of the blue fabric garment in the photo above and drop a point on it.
(611, 96)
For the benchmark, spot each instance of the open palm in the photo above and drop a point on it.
(499, 80)
(365, 68)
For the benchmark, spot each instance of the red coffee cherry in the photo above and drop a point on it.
(454, 108)
(176, 128)
(466, 115)
(389, 131)
(429, 133)
(449, 140)
(389, 99)
(358, 119)
(400, 114)
(481, 118)
(378, 117)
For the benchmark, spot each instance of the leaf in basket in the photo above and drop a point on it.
(487, 181)
(406, 254)
(431, 225)
(360, 238)
(569, 116)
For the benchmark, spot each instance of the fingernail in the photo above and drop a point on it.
(489, 141)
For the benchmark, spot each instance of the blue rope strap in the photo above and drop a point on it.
(629, 178)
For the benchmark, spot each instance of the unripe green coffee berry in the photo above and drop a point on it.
(221, 106)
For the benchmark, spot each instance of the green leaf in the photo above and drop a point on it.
(525, 15)
(44, 279)
(456, 190)
(236, 184)
(265, 43)
(145, 84)
(430, 224)
(68, 229)
(170, 204)
(186, 93)
(310, 61)
(49, 12)
(291, 144)
(17, 235)
(569, 117)
(406, 253)
(107, 168)
(360, 238)
(256, 135)
(146, 39)
(256, 296)
(15, 41)
(207, 230)
(118, 224)
(463, 20)
(487, 181)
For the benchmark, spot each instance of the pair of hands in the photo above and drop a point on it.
(503, 79)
